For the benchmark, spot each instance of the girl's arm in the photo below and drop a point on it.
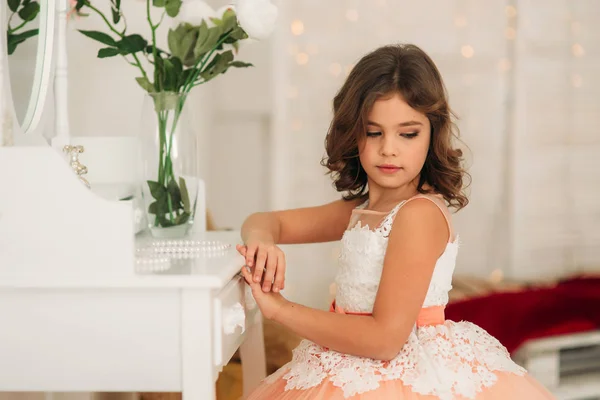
(324, 223)
(419, 236)
(262, 231)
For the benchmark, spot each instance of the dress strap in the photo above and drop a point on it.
(386, 224)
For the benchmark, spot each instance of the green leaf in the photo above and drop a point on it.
(158, 3)
(157, 190)
(153, 207)
(185, 196)
(229, 20)
(237, 34)
(182, 218)
(187, 73)
(177, 64)
(132, 44)
(170, 76)
(218, 65)
(159, 73)
(173, 40)
(14, 40)
(30, 11)
(172, 7)
(79, 5)
(145, 84)
(14, 5)
(108, 52)
(149, 50)
(187, 47)
(203, 47)
(100, 37)
(116, 15)
(11, 47)
(174, 192)
(240, 64)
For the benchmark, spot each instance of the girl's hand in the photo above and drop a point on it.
(269, 303)
(270, 260)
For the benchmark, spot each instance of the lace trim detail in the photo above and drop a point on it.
(447, 360)
(361, 265)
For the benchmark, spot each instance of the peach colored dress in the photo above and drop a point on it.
(441, 359)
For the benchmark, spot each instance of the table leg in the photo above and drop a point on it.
(252, 355)
(198, 382)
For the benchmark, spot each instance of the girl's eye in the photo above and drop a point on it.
(372, 134)
(410, 135)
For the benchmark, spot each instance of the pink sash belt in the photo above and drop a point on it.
(427, 316)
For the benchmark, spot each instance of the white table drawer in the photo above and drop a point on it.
(234, 312)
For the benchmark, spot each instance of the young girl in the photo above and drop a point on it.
(389, 149)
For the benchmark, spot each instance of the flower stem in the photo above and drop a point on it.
(154, 51)
(121, 35)
(189, 83)
(13, 30)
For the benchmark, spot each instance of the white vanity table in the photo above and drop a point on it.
(154, 331)
(76, 313)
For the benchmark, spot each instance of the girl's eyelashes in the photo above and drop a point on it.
(408, 135)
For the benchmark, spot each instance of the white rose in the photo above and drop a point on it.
(256, 17)
(194, 11)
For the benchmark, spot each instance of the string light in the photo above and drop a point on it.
(511, 11)
(460, 21)
(497, 276)
(302, 58)
(348, 69)
(297, 27)
(293, 49)
(296, 124)
(467, 51)
(352, 15)
(577, 50)
(504, 65)
(510, 33)
(312, 49)
(335, 69)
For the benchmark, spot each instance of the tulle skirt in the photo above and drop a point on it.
(441, 359)
(509, 386)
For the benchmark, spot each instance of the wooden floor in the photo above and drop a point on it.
(229, 385)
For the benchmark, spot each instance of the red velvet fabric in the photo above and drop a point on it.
(570, 306)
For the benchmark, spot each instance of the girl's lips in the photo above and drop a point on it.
(388, 169)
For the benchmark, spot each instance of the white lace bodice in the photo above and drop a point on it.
(361, 265)
(446, 360)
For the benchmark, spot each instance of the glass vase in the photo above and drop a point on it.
(169, 186)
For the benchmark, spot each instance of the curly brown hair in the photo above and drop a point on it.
(407, 70)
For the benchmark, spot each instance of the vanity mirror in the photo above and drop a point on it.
(28, 33)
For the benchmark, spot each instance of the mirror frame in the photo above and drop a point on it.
(43, 70)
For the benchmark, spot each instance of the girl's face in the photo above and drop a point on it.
(396, 143)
